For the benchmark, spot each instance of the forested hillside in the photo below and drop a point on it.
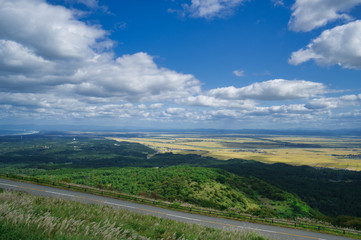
(205, 187)
(332, 192)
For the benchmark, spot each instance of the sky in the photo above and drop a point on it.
(181, 64)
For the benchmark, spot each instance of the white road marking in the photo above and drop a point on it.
(176, 216)
(257, 229)
(63, 194)
(119, 205)
(10, 185)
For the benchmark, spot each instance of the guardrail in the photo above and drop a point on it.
(227, 214)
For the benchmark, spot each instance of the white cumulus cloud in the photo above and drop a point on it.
(334, 102)
(278, 3)
(54, 66)
(210, 101)
(46, 48)
(238, 73)
(310, 14)
(277, 89)
(15, 57)
(211, 8)
(50, 31)
(340, 45)
(132, 78)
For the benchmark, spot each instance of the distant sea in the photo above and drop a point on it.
(17, 132)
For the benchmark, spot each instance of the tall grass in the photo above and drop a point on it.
(24, 216)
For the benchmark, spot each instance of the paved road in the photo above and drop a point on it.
(272, 232)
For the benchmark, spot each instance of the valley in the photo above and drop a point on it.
(315, 151)
(121, 162)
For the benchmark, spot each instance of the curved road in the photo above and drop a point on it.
(272, 232)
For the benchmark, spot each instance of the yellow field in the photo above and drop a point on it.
(341, 153)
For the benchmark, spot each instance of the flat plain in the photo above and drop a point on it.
(323, 152)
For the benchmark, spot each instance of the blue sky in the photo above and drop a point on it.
(233, 64)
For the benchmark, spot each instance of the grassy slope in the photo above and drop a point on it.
(213, 188)
(23, 216)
